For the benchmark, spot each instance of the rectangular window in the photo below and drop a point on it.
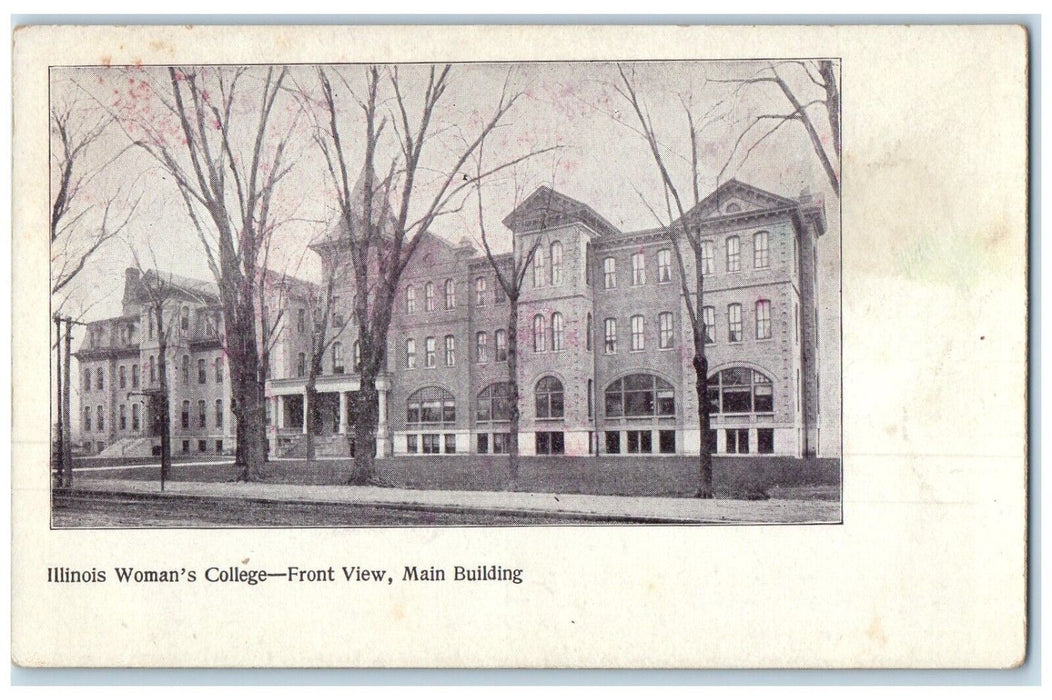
(708, 257)
(121, 378)
(613, 442)
(640, 442)
(609, 273)
(610, 337)
(591, 398)
(219, 446)
(451, 443)
(123, 417)
(734, 258)
(201, 375)
(429, 352)
(301, 317)
(480, 291)
(135, 376)
(499, 295)
(432, 446)
(186, 415)
(639, 269)
(481, 345)
(667, 442)
(99, 378)
(411, 444)
(186, 447)
(763, 319)
(219, 370)
(664, 330)
(501, 443)
(550, 443)
(451, 294)
(760, 257)
(451, 358)
(557, 264)
(637, 333)
(219, 413)
(765, 441)
(301, 365)
(201, 418)
(410, 299)
(202, 445)
(482, 443)
(738, 441)
(664, 266)
(734, 323)
(410, 353)
(135, 416)
(429, 297)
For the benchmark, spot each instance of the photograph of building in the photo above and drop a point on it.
(522, 287)
(603, 364)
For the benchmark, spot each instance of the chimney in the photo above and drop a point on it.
(805, 195)
(131, 278)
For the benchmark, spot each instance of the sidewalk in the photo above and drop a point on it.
(585, 507)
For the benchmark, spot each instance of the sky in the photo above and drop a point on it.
(599, 158)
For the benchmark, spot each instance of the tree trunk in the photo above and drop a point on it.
(67, 448)
(245, 370)
(701, 383)
(513, 379)
(366, 412)
(166, 427)
(309, 405)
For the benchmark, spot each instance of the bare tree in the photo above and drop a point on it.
(803, 110)
(510, 272)
(83, 218)
(682, 231)
(381, 236)
(218, 140)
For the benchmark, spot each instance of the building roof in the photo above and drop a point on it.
(546, 208)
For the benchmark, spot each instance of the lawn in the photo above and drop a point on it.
(733, 477)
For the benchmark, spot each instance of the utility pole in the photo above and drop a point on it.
(59, 450)
(67, 443)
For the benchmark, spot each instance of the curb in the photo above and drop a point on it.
(393, 505)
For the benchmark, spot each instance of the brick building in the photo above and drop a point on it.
(605, 341)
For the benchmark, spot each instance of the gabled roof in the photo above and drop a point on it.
(546, 208)
(196, 289)
(737, 192)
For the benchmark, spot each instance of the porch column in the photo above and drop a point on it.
(343, 412)
(381, 425)
(306, 413)
(279, 413)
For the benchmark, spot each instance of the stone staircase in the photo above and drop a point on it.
(130, 447)
(324, 446)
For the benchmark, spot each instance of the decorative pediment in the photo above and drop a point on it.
(735, 197)
(547, 209)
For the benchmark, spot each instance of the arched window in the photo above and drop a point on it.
(451, 351)
(153, 368)
(123, 415)
(557, 263)
(640, 396)
(122, 376)
(740, 390)
(337, 358)
(185, 417)
(664, 261)
(87, 419)
(186, 369)
(548, 398)
(430, 406)
(135, 416)
(219, 413)
(429, 297)
(202, 374)
(500, 345)
(557, 331)
(99, 378)
(184, 320)
(763, 319)
(451, 294)
(540, 334)
(410, 353)
(481, 346)
(588, 332)
(410, 299)
(301, 364)
(87, 380)
(539, 264)
(99, 420)
(219, 370)
(480, 291)
(494, 403)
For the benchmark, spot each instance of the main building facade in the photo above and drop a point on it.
(605, 344)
